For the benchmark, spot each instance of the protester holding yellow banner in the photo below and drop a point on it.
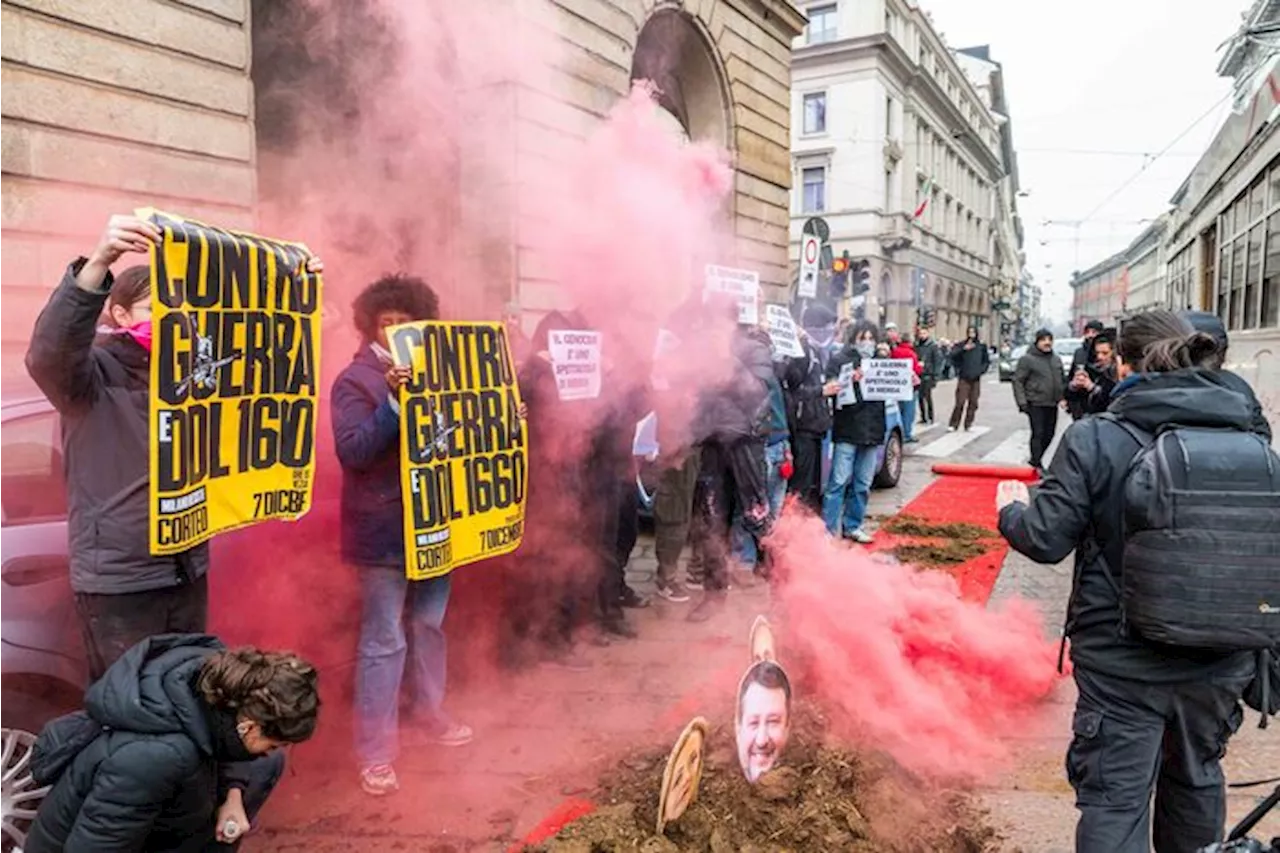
(100, 386)
(367, 410)
(234, 375)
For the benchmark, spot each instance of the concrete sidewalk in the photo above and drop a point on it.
(1033, 804)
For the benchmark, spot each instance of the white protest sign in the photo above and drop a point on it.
(575, 358)
(846, 397)
(666, 343)
(810, 252)
(782, 331)
(887, 379)
(744, 285)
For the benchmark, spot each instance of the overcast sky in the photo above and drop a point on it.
(1124, 77)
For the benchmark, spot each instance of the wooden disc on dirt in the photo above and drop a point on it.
(683, 773)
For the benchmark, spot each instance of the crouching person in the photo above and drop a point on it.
(162, 757)
(366, 427)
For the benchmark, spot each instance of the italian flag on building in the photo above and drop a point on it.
(926, 193)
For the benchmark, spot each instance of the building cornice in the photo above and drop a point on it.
(780, 16)
(911, 77)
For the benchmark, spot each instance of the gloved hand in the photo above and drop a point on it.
(787, 468)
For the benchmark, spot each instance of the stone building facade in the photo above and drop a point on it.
(108, 106)
(886, 123)
(723, 68)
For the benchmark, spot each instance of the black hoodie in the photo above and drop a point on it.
(1079, 505)
(149, 780)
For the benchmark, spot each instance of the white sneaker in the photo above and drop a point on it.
(951, 429)
(379, 781)
(860, 536)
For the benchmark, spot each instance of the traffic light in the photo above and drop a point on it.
(861, 273)
(839, 276)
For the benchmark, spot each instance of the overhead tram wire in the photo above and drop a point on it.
(1157, 156)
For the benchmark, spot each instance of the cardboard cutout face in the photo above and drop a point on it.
(762, 642)
(683, 774)
(763, 721)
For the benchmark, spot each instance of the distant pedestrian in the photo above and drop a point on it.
(901, 348)
(971, 360)
(1038, 388)
(1089, 391)
(1211, 325)
(1080, 361)
(857, 434)
(810, 409)
(931, 363)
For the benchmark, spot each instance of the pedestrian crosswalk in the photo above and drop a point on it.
(951, 442)
(1013, 449)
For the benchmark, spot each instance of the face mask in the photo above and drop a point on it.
(140, 332)
(866, 349)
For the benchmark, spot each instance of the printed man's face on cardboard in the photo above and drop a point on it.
(764, 724)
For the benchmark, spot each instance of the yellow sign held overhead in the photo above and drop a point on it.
(235, 355)
(463, 449)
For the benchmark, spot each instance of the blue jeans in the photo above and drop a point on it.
(743, 543)
(908, 409)
(381, 658)
(853, 467)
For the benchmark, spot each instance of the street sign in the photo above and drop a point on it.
(818, 226)
(810, 251)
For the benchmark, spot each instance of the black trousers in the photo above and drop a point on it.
(1044, 423)
(925, 390)
(806, 479)
(628, 526)
(113, 624)
(732, 478)
(612, 570)
(1131, 737)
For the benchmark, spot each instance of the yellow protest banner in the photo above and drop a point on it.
(235, 350)
(462, 445)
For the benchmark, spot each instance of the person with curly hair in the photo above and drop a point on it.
(366, 428)
(176, 749)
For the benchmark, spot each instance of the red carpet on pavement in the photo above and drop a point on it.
(963, 494)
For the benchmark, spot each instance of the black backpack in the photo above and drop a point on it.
(1201, 565)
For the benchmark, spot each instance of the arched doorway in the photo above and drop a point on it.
(674, 52)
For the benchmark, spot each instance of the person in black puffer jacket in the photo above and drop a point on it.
(857, 433)
(1211, 325)
(809, 411)
(169, 733)
(1147, 714)
(731, 425)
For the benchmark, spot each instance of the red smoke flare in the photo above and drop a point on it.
(937, 682)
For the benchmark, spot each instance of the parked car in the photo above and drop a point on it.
(1065, 349)
(42, 668)
(1009, 363)
(645, 448)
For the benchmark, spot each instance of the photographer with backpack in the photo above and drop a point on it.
(1170, 500)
